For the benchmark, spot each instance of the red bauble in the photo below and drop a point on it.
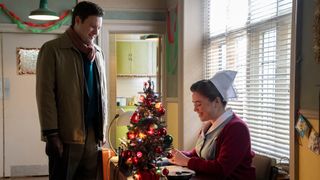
(161, 111)
(148, 102)
(139, 154)
(150, 132)
(162, 132)
(165, 171)
(135, 118)
(158, 150)
(169, 155)
(135, 161)
(131, 135)
(126, 154)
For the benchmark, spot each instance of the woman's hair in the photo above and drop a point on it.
(207, 89)
(84, 9)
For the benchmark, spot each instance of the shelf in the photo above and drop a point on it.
(128, 108)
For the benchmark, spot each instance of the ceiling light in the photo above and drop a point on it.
(43, 13)
(150, 37)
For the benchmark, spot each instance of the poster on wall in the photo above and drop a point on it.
(27, 60)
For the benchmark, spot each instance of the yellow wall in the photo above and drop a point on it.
(309, 162)
(173, 123)
(309, 75)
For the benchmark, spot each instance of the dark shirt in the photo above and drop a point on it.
(91, 101)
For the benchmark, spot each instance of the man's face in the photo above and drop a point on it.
(88, 29)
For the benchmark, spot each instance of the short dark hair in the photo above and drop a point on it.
(207, 89)
(84, 9)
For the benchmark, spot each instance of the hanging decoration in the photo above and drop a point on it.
(304, 128)
(33, 27)
(314, 142)
(172, 41)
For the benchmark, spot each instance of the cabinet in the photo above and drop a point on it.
(136, 57)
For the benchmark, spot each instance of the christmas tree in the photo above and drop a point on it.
(147, 138)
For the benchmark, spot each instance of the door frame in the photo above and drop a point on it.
(127, 27)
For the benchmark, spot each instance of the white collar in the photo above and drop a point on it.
(226, 115)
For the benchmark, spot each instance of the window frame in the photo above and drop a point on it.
(257, 24)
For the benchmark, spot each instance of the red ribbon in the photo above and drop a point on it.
(44, 25)
(171, 34)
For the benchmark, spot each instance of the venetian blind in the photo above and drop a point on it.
(253, 38)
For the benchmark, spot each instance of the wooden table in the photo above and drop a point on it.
(116, 174)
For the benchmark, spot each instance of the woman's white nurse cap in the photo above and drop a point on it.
(223, 81)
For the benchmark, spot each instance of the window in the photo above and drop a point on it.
(255, 41)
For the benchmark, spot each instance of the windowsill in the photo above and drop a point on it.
(136, 75)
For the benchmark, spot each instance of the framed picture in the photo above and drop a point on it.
(27, 60)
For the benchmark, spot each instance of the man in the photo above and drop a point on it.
(71, 95)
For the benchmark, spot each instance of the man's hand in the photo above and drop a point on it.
(54, 145)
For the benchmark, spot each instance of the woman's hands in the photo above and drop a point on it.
(179, 158)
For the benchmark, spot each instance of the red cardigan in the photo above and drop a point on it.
(233, 154)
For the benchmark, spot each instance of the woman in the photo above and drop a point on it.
(223, 148)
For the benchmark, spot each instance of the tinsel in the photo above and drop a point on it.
(33, 27)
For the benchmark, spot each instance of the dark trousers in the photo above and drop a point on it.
(78, 162)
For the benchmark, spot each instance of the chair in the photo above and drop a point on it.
(265, 167)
